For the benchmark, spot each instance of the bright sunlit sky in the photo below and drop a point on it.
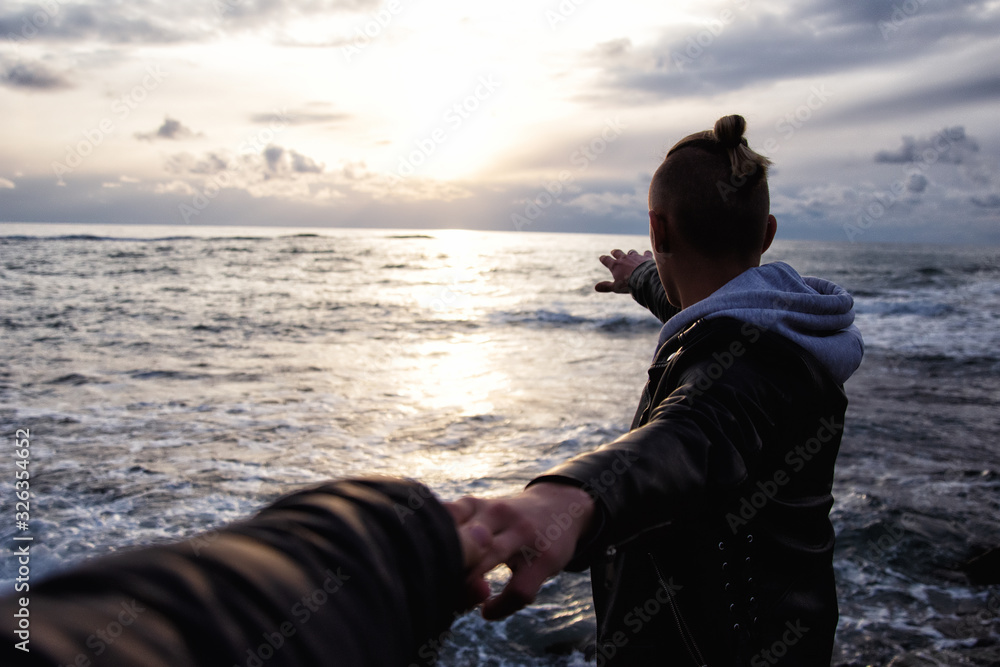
(881, 116)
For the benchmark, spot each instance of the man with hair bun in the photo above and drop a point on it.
(706, 527)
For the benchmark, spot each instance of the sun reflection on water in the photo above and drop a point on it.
(457, 373)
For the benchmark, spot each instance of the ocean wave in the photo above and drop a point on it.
(96, 238)
(76, 379)
(557, 319)
(899, 308)
(628, 323)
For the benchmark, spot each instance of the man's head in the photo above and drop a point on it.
(709, 200)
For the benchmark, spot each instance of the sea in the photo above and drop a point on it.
(174, 379)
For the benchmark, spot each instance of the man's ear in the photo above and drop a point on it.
(769, 231)
(658, 233)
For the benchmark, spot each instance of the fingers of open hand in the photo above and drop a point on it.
(620, 274)
(605, 286)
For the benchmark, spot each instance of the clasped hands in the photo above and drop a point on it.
(534, 533)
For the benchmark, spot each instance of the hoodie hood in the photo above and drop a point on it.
(816, 314)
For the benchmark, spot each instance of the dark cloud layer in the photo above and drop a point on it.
(949, 146)
(109, 22)
(962, 89)
(745, 47)
(157, 21)
(32, 76)
(987, 201)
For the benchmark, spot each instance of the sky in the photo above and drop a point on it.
(881, 116)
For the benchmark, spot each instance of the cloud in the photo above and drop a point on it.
(987, 201)
(112, 22)
(171, 129)
(32, 76)
(159, 21)
(297, 117)
(958, 90)
(916, 183)
(175, 187)
(742, 48)
(606, 203)
(245, 169)
(6, 185)
(282, 161)
(273, 155)
(304, 165)
(950, 146)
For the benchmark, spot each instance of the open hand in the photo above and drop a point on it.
(621, 265)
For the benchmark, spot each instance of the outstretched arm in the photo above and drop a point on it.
(636, 274)
(365, 572)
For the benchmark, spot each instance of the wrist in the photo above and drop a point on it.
(569, 507)
(639, 275)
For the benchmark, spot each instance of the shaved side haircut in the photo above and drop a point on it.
(715, 188)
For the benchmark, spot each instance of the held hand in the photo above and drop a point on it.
(621, 265)
(535, 533)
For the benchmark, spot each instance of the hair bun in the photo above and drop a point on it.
(729, 131)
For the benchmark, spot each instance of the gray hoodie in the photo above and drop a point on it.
(816, 314)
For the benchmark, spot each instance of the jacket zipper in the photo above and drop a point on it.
(609, 575)
(682, 628)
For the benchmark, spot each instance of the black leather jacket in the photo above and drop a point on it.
(357, 573)
(714, 544)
